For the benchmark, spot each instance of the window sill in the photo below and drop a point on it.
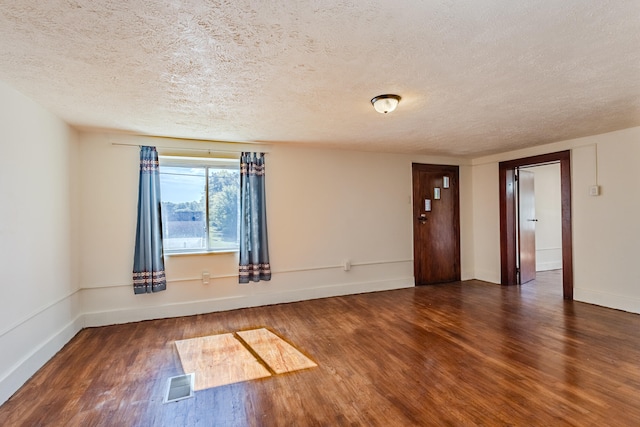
(222, 252)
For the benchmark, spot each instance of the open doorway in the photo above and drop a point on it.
(510, 258)
(539, 226)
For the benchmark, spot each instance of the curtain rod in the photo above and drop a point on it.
(209, 150)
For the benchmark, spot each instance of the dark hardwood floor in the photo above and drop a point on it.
(458, 354)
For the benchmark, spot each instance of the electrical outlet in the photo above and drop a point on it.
(205, 277)
(346, 265)
(594, 190)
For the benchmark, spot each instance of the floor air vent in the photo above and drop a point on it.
(179, 387)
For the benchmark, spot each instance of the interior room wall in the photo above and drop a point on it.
(605, 227)
(548, 205)
(324, 207)
(467, 254)
(38, 241)
(486, 222)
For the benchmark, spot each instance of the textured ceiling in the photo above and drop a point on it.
(476, 77)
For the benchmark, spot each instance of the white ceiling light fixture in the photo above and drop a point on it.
(385, 103)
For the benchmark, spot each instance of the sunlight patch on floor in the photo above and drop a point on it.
(225, 359)
(279, 355)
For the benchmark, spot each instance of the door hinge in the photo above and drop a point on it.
(516, 177)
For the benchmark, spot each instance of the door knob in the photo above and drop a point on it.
(533, 220)
(422, 218)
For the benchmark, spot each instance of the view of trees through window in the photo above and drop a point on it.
(199, 207)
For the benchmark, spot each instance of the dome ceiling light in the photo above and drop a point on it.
(385, 103)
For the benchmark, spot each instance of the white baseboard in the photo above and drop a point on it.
(137, 314)
(605, 299)
(20, 372)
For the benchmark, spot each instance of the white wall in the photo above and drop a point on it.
(548, 203)
(467, 254)
(486, 222)
(605, 228)
(606, 236)
(38, 243)
(324, 207)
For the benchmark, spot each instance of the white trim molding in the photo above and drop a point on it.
(135, 314)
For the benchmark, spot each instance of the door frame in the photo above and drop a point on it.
(508, 273)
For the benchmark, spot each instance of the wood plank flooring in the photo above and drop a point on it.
(458, 354)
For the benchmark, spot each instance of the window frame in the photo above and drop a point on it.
(218, 162)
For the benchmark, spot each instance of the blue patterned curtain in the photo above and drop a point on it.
(254, 252)
(148, 262)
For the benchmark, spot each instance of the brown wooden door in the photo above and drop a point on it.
(527, 226)
(436, 224)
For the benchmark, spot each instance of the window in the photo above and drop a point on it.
(200, 202)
